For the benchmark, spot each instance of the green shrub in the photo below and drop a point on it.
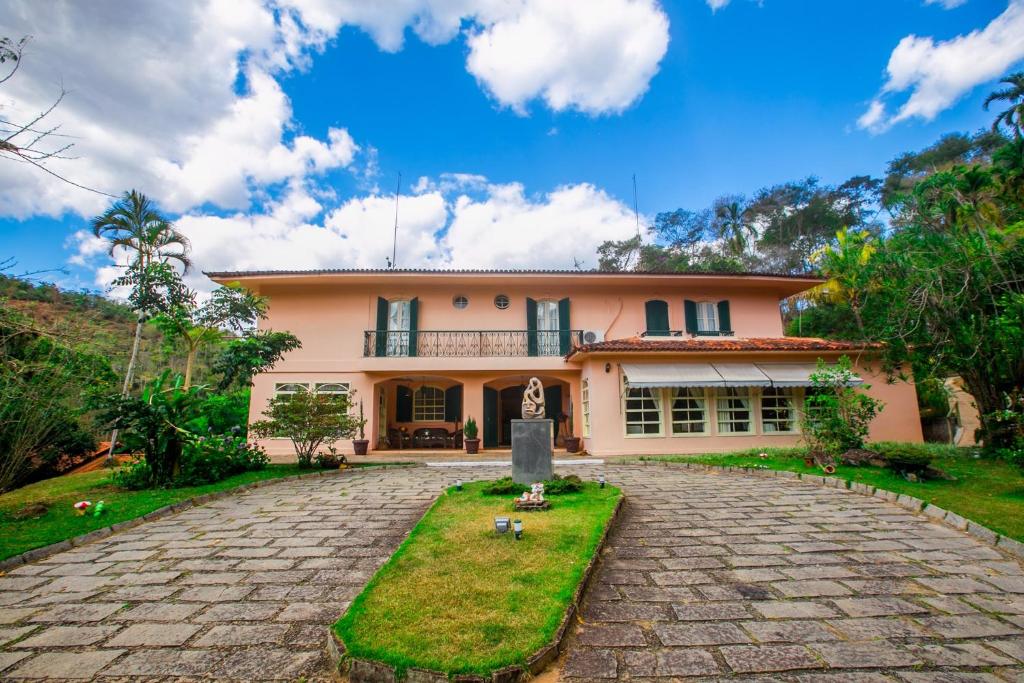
(212, 458)
(134, 476)
(905, 458)
(331, 460)
(837, 416)
(553, 487)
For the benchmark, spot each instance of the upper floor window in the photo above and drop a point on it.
(656, 312)
(399, 317)
(707, 316)
(428, 405)
(547, 328)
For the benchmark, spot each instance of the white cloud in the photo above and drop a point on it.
(596, 57)
(946, 4)
(716, 5)
(938, 73)
(507, 229)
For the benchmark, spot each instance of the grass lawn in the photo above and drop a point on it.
(59, 494)
(458, 598)
(989, 492)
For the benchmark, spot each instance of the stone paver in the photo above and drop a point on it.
(217, 592)
(707, 575)
(780, 580)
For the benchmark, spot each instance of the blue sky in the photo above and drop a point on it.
(747, 95)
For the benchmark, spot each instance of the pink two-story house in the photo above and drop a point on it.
(634, 363)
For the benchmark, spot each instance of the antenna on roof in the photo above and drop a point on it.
(394, 243)
(636, 210)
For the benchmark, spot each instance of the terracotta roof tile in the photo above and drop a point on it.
(719, 344)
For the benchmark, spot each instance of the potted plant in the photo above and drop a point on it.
(469, 431)
(361, 444)
(572, 443)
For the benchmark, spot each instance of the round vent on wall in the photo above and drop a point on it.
(501, 302)
(460, 301)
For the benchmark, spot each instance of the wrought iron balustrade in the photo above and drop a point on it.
(469, 343)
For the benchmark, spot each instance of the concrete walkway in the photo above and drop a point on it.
(707, 575)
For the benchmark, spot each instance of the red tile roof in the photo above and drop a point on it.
(509, 271)
(718, 344)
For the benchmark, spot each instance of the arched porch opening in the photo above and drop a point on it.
(419, 412)
(503, 399)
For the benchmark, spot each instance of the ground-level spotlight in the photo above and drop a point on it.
(502, 525)
(601, 481)
(458, 484)
(517, 527)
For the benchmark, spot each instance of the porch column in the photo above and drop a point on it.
(473, 402)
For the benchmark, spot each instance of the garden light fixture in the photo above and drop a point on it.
(501, 525)
(600, 480)
(517, 527)
(458, 484)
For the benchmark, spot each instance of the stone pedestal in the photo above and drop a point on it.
(532, 451)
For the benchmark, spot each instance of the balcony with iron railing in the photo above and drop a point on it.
(469, 343)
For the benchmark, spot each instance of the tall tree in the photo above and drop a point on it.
(1013, 116)
(845, 265)
(732, 225)
(134, 225)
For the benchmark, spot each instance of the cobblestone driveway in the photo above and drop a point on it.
(240, 589)
(706, 575)
(719, 574)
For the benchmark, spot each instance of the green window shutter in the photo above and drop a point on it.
(690, 315)
(724, 322)
(403, 404)
(531, 327)
(414, 314)
(564, 341)
(490, 430)
(381, 335)
(453, 404)
(657, 318)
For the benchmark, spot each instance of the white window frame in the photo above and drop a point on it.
(585, 402)
(723, 399)
(654, 395)
(547, 328)
(281, 390)
(707, 316)
(399, 321)
(343, 390)
(696, 395)
(779, 399)
(418, 408)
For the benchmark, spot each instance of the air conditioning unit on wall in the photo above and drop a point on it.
(592, 336)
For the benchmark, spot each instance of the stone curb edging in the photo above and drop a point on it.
(369, 671)
(916, 505)
(45, 551)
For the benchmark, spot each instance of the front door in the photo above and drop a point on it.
(490, 418)
(511, 409)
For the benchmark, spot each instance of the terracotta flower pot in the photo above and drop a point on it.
(472, 446)
(572, 444)
(360, 446)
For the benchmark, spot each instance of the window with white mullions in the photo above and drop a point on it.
(689, 411)
(547, 328)
(643, 412)
(778, 411)
(399, 317)
(428, 405)
(734, 414)
(707, 316)
(333, 389)
(585, 399)
(289, 389)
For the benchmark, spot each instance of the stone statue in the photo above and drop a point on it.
(533, 400)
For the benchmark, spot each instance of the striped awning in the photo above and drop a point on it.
(670, 375)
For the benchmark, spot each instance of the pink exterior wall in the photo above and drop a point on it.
(898, 421)
(330, 316)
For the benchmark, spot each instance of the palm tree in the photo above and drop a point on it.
(732, 224)
(844, 265)
(1013, 117)
(133, 224)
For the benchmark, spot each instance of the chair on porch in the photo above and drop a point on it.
(455, 439)
(398, 439)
